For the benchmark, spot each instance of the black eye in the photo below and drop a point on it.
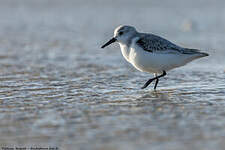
(120, 33)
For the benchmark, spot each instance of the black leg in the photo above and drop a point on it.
(147, 83)
(150, 80)
(156, 82)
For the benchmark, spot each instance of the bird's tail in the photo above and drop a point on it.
(196, 52)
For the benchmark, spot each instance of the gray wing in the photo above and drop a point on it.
(154, 43)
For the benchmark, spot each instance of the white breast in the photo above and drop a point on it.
(125, 51)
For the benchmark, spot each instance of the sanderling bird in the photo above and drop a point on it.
(151, 53)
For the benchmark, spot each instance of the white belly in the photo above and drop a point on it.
(157, 62)
(154, 62)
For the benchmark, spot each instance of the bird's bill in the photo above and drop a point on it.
(109, 42)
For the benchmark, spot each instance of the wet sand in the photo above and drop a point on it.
(59, 89)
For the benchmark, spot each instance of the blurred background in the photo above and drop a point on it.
(59, 89)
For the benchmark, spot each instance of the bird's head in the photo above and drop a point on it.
(122, 34)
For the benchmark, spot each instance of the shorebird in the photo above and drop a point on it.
(151, 53)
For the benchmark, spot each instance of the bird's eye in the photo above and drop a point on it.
(120, 33)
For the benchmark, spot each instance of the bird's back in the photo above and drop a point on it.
(157, 44)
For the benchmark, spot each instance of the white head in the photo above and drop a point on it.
(122, 34)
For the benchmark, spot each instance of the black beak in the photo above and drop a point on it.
(109, 42)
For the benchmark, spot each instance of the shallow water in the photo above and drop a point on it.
(58, 88)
